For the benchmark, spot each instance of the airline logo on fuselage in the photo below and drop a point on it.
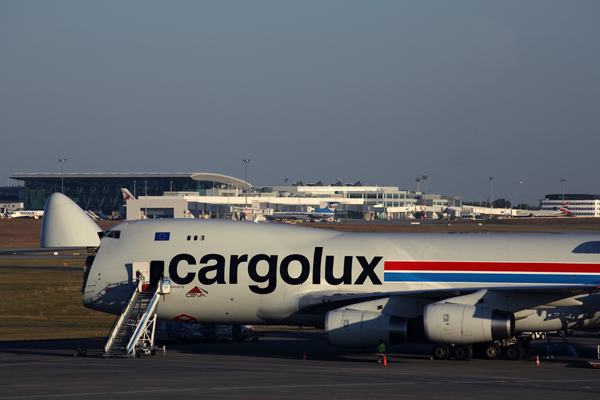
(196, 292)
(266, 270)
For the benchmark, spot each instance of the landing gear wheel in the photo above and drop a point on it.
(492, 351)
(441, 352)
(514, 352)
(462, 352)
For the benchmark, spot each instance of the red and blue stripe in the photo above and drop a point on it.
(492, 272)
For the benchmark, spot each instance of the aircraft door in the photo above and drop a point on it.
(157, 272)
(141, 271)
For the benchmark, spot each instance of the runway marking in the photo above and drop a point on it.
(308, 386)
(420, 394)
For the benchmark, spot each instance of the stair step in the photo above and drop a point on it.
(129, 324)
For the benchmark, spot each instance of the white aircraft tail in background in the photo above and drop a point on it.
(565, 208)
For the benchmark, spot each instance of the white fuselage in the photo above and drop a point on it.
(233, 272)
(27, 214)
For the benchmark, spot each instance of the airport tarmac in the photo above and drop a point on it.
(273, 368)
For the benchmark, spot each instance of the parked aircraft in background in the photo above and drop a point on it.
(127, 194)
(459, 292)
(557, 212)
(326, 213)
(36, 214)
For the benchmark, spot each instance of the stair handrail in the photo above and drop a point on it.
(141, 326)
(117, 326)
(122, 309)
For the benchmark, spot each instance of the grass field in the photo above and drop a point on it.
(47, 304)
(26, 232)
(40, 304)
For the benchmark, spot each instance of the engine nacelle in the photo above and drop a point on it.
(465, 324)
(363, 329)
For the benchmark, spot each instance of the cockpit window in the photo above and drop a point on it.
(113, 234)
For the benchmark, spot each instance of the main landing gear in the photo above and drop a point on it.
(514, 349)
(460, 352)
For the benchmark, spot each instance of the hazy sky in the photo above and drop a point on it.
(376, 91)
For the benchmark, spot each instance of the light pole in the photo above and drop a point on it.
(491, 192)
(246, 162)
(520, 183)
(563, 188)
(418, 181)
(424, 193)
(146, 199)
(62, 174)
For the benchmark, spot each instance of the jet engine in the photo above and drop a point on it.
(362, 329)
(465, 324)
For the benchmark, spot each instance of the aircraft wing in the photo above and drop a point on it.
(511, 299)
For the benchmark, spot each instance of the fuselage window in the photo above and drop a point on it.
(189, 237)
(196, 237)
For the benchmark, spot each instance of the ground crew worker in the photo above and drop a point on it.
(380, 351)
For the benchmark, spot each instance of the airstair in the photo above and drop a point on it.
(133, 332)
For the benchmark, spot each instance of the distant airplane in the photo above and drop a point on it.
(127, 194)
(493, 293)
(35, 214)
(557, 212)
(326, 213)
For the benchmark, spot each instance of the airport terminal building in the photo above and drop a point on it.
(102, 191)
(11, 199)
(208, 195)
(579, 205)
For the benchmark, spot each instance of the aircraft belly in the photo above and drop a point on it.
(206, 307)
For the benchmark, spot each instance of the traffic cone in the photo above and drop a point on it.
(384, 360)
(304, 356)
(537, 360)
